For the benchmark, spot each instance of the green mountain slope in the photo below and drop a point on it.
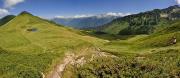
(135, 56)
(6, 19)
(162, 37)
(34, 46)
(31, 47)
(139, 56)
(142, 23)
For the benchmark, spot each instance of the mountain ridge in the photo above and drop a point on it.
(87, 22)
(6, 19)
(141, 23)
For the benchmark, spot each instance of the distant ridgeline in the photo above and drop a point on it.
(85, 22)
(142, 23)
(6, 19)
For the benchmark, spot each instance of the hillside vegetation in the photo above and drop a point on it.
(6, 19)
(32, 46)
(142, 23)
(139, 56)
(151, 55)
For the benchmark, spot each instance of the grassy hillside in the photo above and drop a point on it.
(6, 19)
(135, 43)
(33, 46)
(161, 64)
(137, 56)
(142, 23)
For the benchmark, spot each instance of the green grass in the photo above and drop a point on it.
(145, 43)
(30, 53)
(139, 56)
(116, 27)
(142, 23)
(162, 64)
(23, 65)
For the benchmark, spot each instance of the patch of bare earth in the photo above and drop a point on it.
(75, 60)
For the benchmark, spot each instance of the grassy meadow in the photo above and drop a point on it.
(31, 46)
(137, 56)
(28, 54)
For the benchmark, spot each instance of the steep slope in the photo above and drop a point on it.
(6, 19)
(35, 46)
(142, 23)
(173, 27)
(163, 37)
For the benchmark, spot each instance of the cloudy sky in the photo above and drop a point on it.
(67, 8)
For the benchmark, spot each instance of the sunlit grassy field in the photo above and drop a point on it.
(138, 56)
(134, 59)
(31, 46)
(28, 54)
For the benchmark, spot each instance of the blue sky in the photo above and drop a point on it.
(51, 8)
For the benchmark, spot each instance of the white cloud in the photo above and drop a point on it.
(3, 12)
(76, 16)
(118, 14)
(112, 14)
(8, 4)
(60, 17)
(81, 16)
(178, 2)
(11, 3)
(99, 15)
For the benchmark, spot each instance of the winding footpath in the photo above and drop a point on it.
(73, 59)
(58, 70)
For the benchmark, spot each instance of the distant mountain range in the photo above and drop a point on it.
(116, 23)
(89, 21)
(142, 23)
